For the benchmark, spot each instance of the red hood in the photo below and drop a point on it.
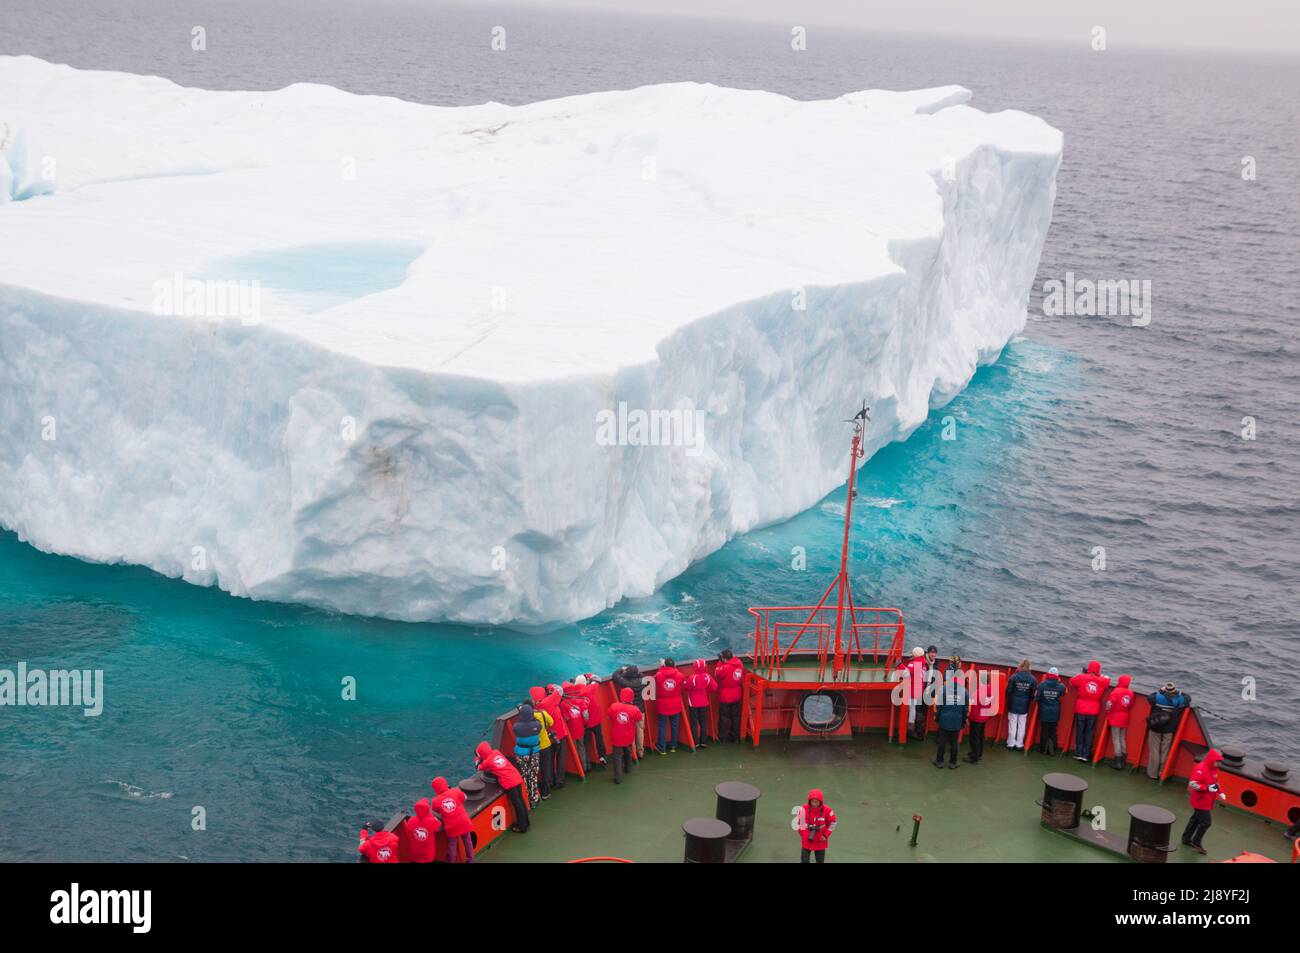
(816, 795)
(422, 808)
(483, 750)
(1124, 681)
(701, 667)
(625, 696)
(1094, 668)
(1050, 675)
(1213, 757)
(536, 693)
(439, 785)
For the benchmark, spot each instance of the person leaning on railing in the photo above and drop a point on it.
(1167, 708)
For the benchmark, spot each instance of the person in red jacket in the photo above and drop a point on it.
(1119, 705)
(980, 715)
(699, 686)
(573, 708)
(623, 718)
(552, 769)
(595, 716)
(730, 673)
(1090, 686)
(1203, 791)
(422, 834)
(493, 762)
(816, 824)
(449, 804)
(378, 846)
(668, 704)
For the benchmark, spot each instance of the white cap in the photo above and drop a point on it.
(918, 652)
(1053, 671)
(580, 680)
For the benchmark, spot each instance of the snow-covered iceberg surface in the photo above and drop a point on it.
(394, 359)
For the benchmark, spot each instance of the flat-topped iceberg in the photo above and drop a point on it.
(483, 364)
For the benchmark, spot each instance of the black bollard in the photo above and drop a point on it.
(1062, 800)
(706, 840)
(737, 805)
(1148, 833)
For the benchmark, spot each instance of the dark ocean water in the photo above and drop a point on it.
(1088, 432)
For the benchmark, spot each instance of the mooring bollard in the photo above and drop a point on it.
(1148, 833)
(1062, 800)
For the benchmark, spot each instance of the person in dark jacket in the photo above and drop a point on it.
(1048, 697)
(1020, 693)
(950, 713)
(630, 677)
(528, 752)
(1167, 708)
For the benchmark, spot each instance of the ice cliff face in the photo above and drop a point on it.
(393, 359)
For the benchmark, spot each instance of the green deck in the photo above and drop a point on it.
(984, 812)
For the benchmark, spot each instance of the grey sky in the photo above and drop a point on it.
(1221, 24)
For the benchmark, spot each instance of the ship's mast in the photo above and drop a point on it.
(845, 593)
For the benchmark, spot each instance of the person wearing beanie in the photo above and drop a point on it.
(1020, 693)
(698, 686)
(1090, 685)
(1203, 791)
(1048, 697)
(730, 672)
(950, 713)
(422, 834)
(379, 846)
(630, 677)
(493, 762)
(930, 673)
(1119, 705)
(623, 719)
(457, 826)
(914, 675)
(528, 752)
(1167, 709)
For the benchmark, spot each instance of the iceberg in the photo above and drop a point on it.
(483, 364)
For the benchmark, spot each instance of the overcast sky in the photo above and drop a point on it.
(1230, 24)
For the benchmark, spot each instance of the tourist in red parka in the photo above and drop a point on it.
(730, 673)
(1119, 705)
(549, 702)
(449, 804)
(1203, 791)
(668, 704)
(1089, 686)
(573, 707)
(623, 718)
(378, 846)
(422, 834)
(595, 717)
(699, 686)
(493, 762)
(816, 824)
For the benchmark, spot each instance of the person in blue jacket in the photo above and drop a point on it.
(1050, 690)
(528, 741)
(950, 712)
(1020, 692)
